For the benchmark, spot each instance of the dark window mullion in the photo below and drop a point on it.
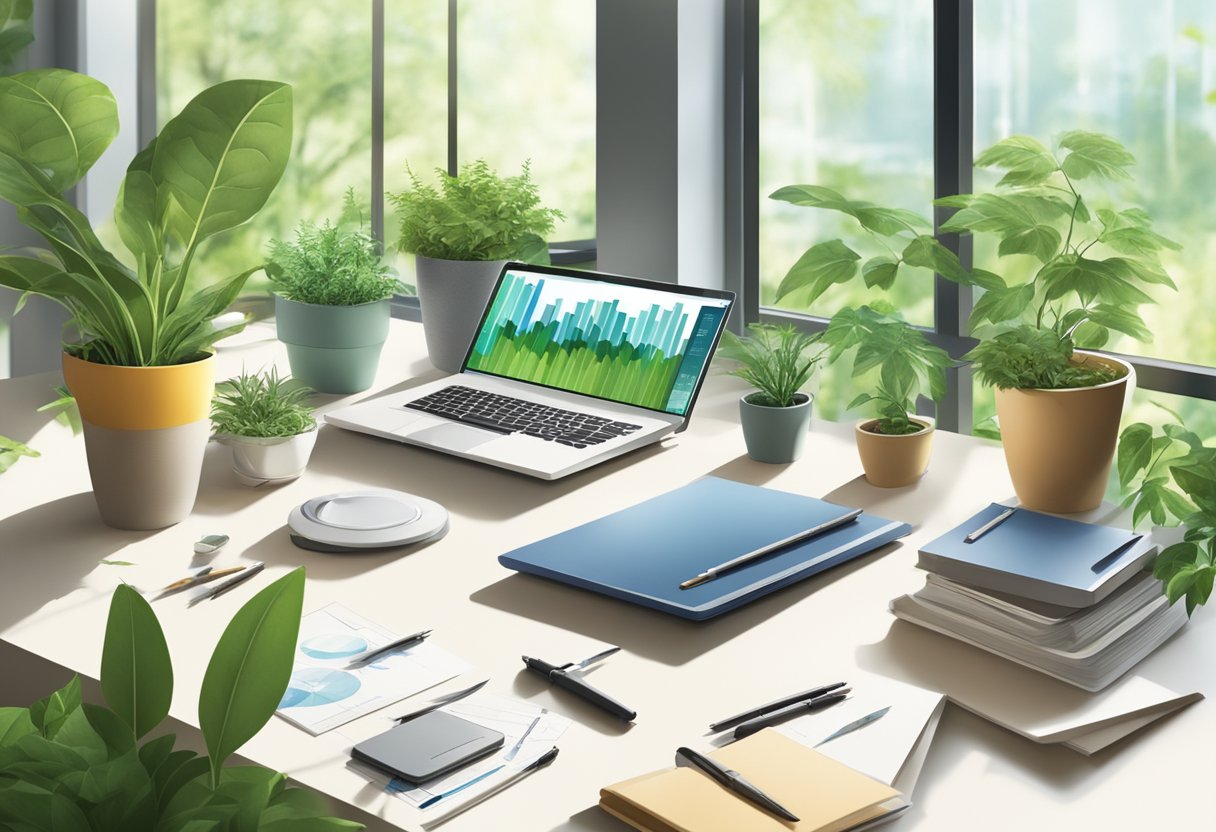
(953, 129)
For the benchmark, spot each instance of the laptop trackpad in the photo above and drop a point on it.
(454, 437)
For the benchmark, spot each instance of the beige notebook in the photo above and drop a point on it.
(827, 796)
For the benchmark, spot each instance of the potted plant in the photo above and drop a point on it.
(1058, 407)
(894, 446)
(140, 366)
(1168, 476)
(778, 361)
(461, 236)
(332, 307)
(70, 764)
(266, 423)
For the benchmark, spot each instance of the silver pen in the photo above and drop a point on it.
(403, 643)
(216, 591)
(989, 526)
(743, 560)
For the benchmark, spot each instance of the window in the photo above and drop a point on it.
(842, 94)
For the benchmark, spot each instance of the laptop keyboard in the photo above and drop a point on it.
(506, 414)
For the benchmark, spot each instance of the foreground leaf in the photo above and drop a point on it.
(250, 669)
(136, 671)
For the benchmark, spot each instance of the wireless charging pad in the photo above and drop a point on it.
(359, 520)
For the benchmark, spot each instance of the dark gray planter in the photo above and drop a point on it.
(333, 349)
(775, 434)
(452, 295)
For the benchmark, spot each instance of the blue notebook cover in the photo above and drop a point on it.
(641, 554)
(1039, 556)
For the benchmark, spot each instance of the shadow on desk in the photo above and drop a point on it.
(646, 632)
(463, 487)
(63, 541)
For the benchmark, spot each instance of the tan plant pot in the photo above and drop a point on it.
(145, 433)
(1059, 444)
(893, 461)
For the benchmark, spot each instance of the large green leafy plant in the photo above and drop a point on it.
(16, 29)
(72, 766)
(475, 215)
(1093, 265)
(1168, 477)
(212, 168)
(878, 337)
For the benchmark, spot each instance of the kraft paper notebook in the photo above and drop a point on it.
(827, 796)
(641, 554)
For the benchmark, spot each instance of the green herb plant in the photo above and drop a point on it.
(212, 168)
(1094, 264)
(332, 265)
(1168, 476)
(66, 764)
(475, 215)
(909, 366)
(261, 405)
(778, 360)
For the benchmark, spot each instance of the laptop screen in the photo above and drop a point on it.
(612, 338)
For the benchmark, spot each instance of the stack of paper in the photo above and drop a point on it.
(1065, 598)
(1089, 648)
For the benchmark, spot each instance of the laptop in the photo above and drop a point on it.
(566, 369)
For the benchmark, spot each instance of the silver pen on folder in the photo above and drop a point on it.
(989, 526)
(798, 537)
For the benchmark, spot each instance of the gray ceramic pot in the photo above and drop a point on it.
(775, 434)
(333, 349)
(453, 295)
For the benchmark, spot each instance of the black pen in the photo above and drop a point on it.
(560, 676)
(788, 712)
(776, 704)
(733, 780)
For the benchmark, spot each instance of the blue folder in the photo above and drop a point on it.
(641, 554)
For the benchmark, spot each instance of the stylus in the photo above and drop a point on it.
(776, 704)
(403, 643)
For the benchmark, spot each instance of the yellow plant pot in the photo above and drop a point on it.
(1059, 444)
(145, 433)
(892, 461)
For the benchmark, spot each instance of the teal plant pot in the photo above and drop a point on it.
(775, 435)
(333, 349)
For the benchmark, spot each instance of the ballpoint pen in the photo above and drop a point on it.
(403, 643)
(203, 576)
(210, 593)
(776, 704)
(564, 678)
(764, 551)
(440, 701)
(734, 781)
(989, 526)
(789, 711)
(854, 725)
(510, 777)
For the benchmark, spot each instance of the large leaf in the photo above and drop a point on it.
(216, 163)
(1135, 451)
(16, 28)
(1003, 304)
(1093, 154)
(1027, 161)
(49, 714)
(250, 668)
(15, 723)
(136, 672)
(58, 120)
(926, 252)
(885, 221)
(819, 267)
(880, 272)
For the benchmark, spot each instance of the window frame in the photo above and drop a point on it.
(953, 132)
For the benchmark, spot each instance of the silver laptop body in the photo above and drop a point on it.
(566, 369)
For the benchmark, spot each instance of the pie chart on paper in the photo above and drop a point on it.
(314, 686)
(333, 646)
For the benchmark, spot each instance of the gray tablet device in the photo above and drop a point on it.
(428, 746)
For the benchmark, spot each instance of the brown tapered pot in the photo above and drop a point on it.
(892, 461)
(145, 433)
(1059, 444)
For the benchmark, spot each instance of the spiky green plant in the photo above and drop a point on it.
(778, 360)
(261, 405)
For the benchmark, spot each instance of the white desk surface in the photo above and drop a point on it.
(679, 675)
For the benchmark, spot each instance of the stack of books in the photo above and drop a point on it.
(1069, 599)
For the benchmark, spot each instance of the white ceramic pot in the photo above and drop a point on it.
(257, 459)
